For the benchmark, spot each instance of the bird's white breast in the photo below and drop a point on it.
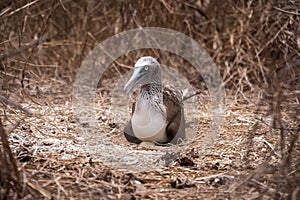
(148, 124)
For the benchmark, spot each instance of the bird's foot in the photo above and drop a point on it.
(147, 144)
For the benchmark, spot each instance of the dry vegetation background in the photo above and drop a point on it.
(256, 45)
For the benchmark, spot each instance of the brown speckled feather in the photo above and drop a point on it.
(175, 114)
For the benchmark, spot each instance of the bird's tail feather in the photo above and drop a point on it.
(186, 97)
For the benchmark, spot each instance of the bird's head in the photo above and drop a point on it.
(146, 71)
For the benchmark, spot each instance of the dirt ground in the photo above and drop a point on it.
(48, 153)
(58, 162)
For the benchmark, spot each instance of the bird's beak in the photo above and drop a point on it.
(133, 81)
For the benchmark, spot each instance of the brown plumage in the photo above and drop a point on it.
(157, 113)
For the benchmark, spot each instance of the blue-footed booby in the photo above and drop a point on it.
(157, 113)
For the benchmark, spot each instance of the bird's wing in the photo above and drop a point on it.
(172, 99)
(128, 131)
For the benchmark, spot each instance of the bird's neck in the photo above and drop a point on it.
(151, 94)
(151, 90)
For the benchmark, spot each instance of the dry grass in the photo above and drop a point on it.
(255, 45)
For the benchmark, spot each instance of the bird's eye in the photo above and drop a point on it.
(146, 67)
